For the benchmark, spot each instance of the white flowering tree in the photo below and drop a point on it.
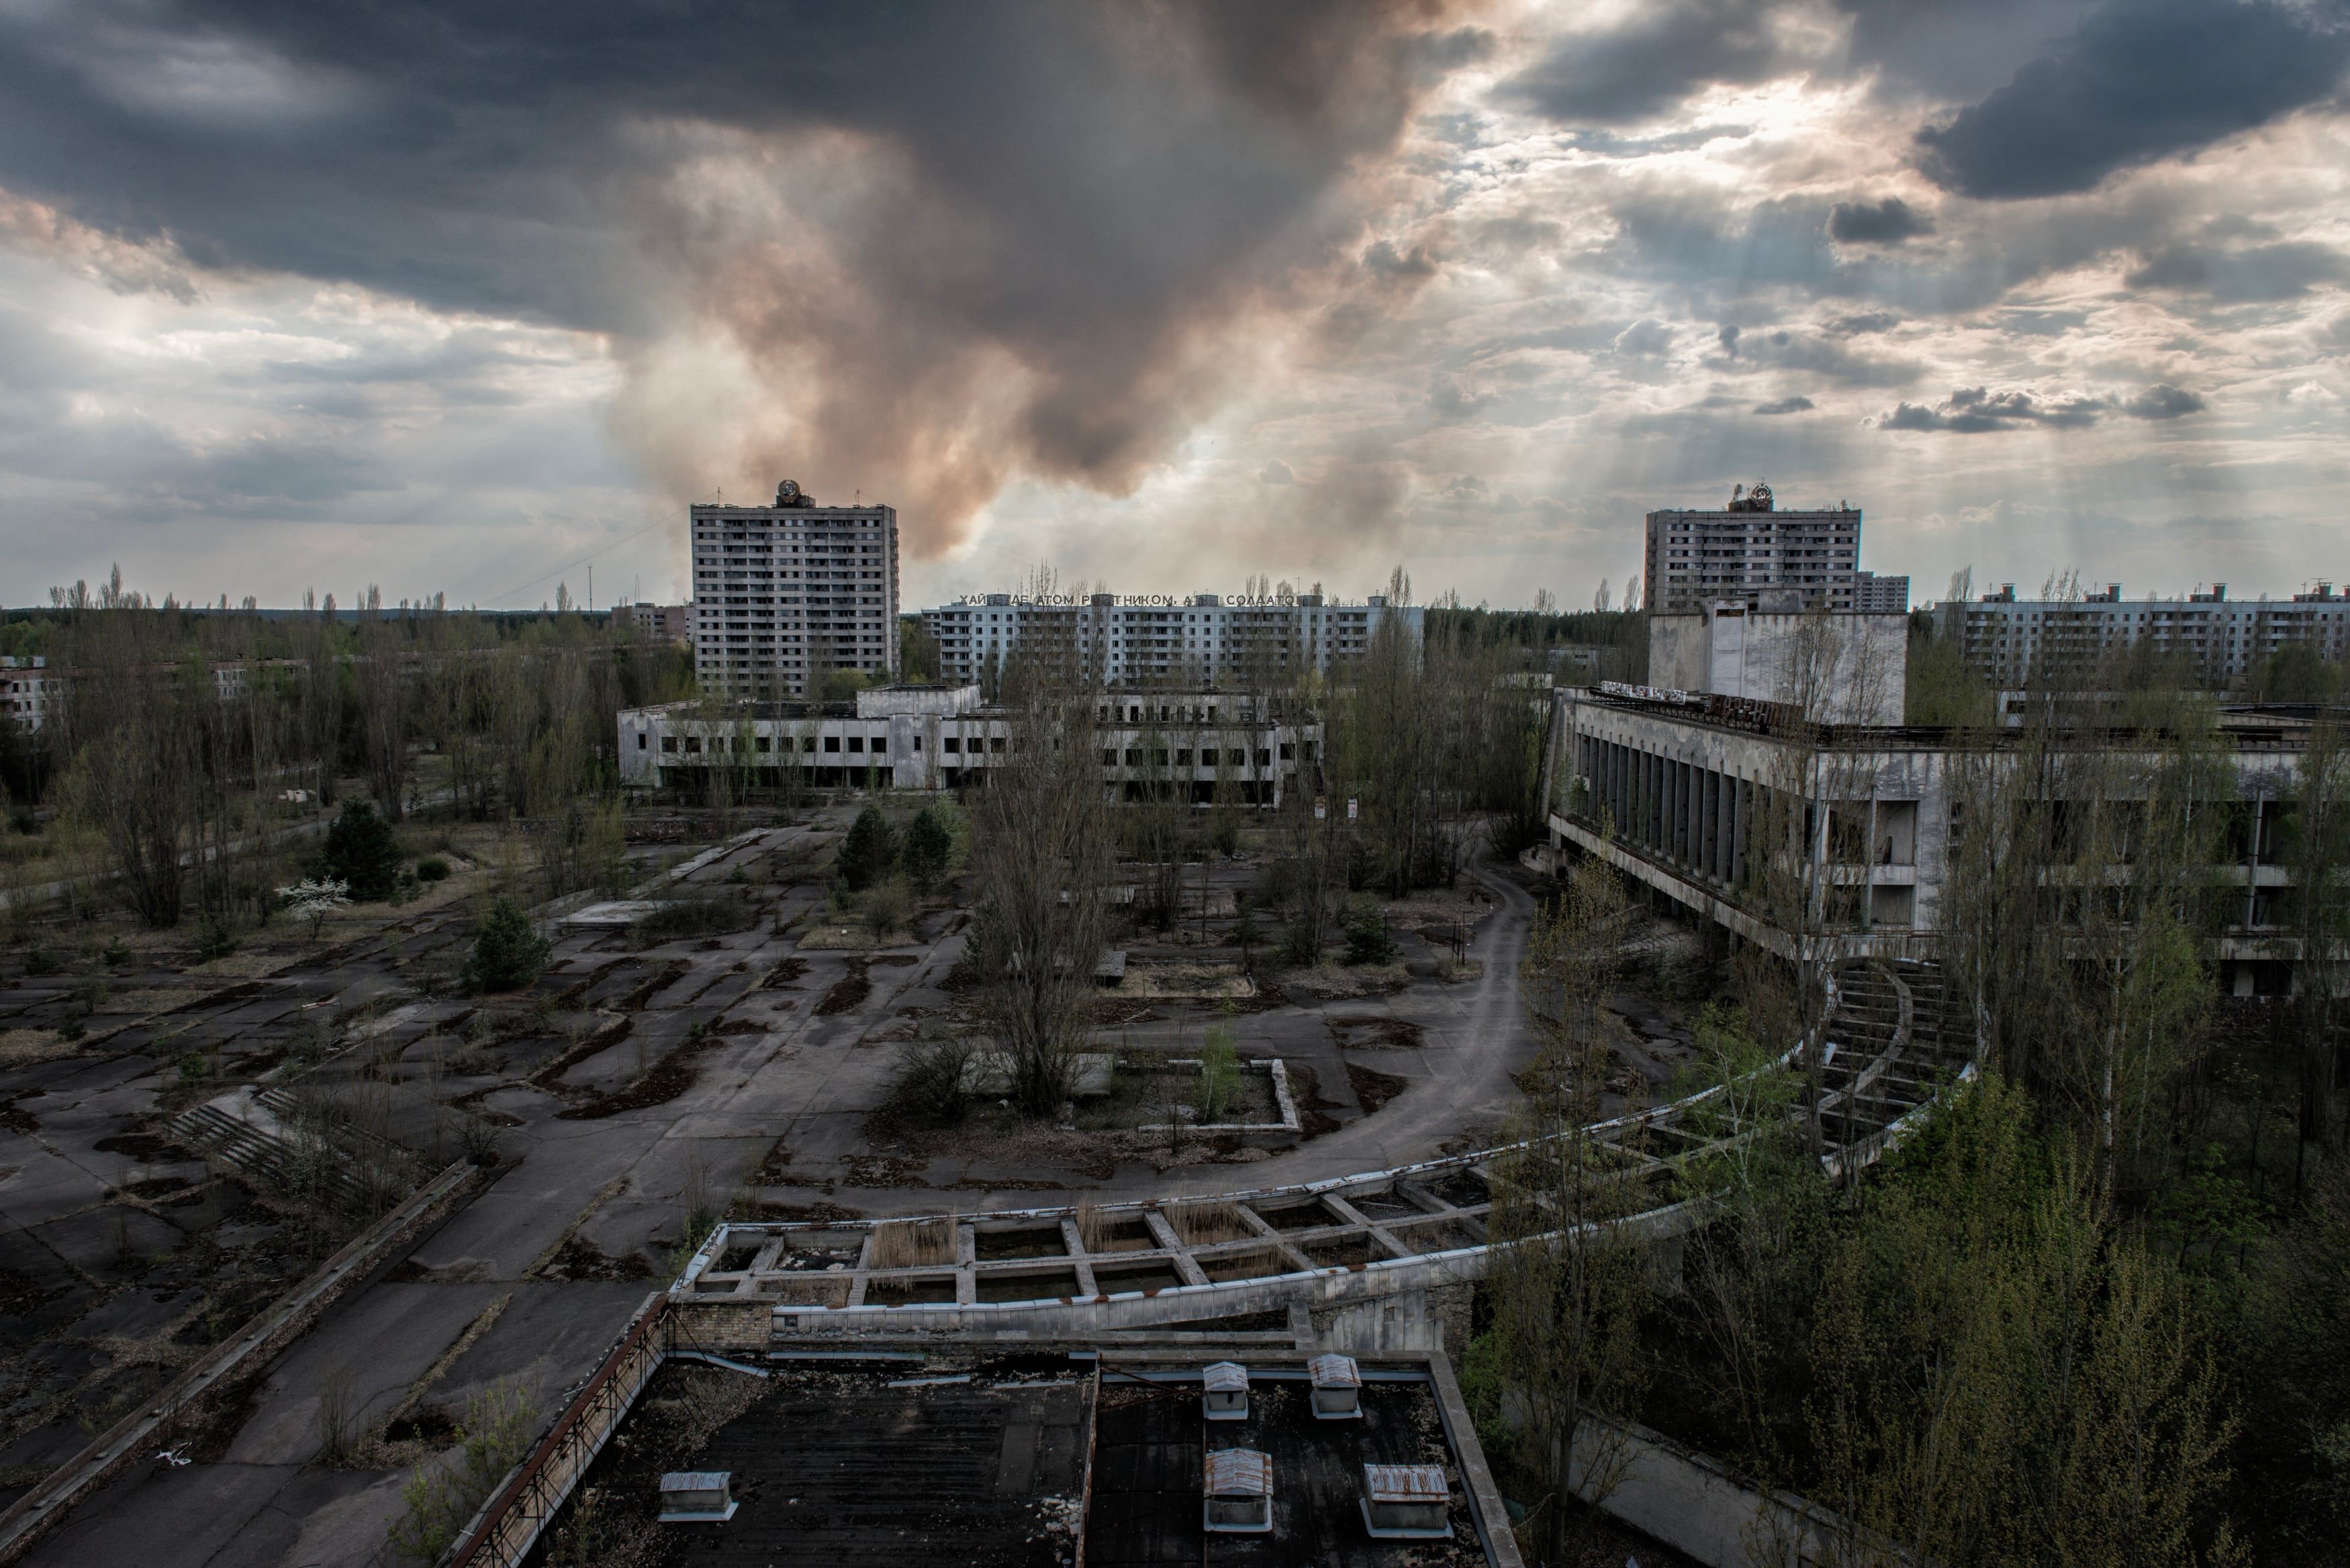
(315, 900)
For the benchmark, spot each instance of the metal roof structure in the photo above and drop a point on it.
(1335, 1371)
(1226, 1378)
(1406, 1483)
(1239, 1472)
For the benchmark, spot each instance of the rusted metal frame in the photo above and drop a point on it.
(530, 1496)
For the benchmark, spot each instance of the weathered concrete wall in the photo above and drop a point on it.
(1434, 1319)
(1650, 765)
(1679, 656)
(1698, 1505)
(1840, 669)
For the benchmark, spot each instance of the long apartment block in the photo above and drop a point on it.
(1199, 639)
(2006, 638)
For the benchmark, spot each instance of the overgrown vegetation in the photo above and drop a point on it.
(442, 1494)
(182, 753)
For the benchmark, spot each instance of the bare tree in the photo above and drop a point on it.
(384, 705)
(1043, 860)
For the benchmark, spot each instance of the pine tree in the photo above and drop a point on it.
(929, 845)
(361, 850)
(870, 853)
(507, 954)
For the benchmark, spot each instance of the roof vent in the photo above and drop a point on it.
(1238, 1495)
(1337, 1388)
(697, 1497)
(1405, 1502)
(1226, 1398)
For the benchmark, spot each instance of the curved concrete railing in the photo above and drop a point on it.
(1141, 1264)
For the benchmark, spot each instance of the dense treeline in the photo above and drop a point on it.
(188, 743)
(2094, 1313)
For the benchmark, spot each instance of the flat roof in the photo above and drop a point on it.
(1001, 1460)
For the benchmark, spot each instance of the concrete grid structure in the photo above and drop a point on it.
(785, 595)
(2005, 638)
(1748, 546)
(1195, 746)
(1202, 639)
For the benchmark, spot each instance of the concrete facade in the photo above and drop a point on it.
(785, 595)
(1201, 638)
(1735, 553)
(1835, 668)
(26, 690)
(1198, 745)
(1675, 789)
(2006, 638)
(1877, 595)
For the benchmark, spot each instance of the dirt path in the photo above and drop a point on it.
(1461, 1085)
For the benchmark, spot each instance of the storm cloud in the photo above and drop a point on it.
(1889, 221)
(943, 243)
(2141, 79)
(1650, 61)
(1162, 290)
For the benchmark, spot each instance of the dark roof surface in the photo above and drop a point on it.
(837, 1468)
(984, 1461)
(1151, 1443)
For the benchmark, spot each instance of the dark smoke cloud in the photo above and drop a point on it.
(914, 249)
(1660, 54)
(1885, 222)
(1977, 410)
(2141, 79)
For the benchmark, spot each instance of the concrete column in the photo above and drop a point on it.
(1655, 813)
(1741, 814)
(1679, 848)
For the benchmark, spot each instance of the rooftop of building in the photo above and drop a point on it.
(952, 699)
(790, 497)
(1160, 601)
(2247, 727)
(1026, 1459)
(1759, 500)
(2004, 599)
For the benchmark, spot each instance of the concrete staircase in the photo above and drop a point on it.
(259, 1133)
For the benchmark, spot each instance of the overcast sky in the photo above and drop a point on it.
(454, 298)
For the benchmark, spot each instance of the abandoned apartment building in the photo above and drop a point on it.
(1672, 785)
(1197, 745)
